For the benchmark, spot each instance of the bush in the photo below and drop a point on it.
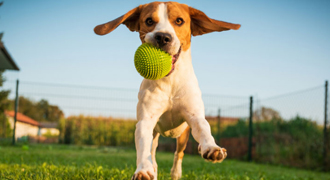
(297, 142)
(238, 130)
(5, 130)
(85, 130)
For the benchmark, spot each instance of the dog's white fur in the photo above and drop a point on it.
(168, 106)
(164, 26)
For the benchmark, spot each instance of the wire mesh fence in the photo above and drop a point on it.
(308, 103)
(287, 129)
(80, 100)
(114, 102)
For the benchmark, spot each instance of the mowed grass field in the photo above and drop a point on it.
(73, 162)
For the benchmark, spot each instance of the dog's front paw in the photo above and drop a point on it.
(142, 175)
(214, 154)
(145, 172)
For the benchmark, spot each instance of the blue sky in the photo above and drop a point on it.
(282, 46)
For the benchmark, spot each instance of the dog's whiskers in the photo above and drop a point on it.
(144, 34)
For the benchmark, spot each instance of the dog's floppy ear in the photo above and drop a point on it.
(202, 24)
(130, 19)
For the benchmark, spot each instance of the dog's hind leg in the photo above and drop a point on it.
(153, 152)
(181, 143)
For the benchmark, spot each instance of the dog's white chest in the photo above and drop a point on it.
(171, 124)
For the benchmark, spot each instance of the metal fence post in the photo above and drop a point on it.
(218, 126)
(250, 130)
(325, 126)
(15, 116)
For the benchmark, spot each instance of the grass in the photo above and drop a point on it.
(73, 162)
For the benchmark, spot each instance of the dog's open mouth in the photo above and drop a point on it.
(175, 57)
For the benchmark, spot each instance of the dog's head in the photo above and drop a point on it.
(167, 25)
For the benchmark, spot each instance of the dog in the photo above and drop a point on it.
(170, 106)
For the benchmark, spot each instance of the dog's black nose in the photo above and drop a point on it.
(163, 38)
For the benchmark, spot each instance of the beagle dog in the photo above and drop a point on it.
(172, 105)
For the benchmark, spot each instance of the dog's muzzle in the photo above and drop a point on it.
(175, 57)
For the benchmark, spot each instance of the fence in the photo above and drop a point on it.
(114, 102)
(289, 129)
(293, 132)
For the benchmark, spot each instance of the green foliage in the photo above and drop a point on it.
(238, 130)
(297, 142)
(84, 130)
(50, 113)
(40, 111)
(25, 147)
(74, 162)
(49, 134)
(5, 130)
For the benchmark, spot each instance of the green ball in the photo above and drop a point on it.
(152, 62)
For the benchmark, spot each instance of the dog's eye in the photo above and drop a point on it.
(179, 21)
(149, 22)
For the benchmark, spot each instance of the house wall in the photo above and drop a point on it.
(53, 131)
(23, 129)
(11, 122)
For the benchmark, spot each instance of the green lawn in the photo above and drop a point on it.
(72, 162)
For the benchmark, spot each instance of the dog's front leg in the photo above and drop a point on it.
(208, 149)
(150, 107)
(143, 142)
(201, 131)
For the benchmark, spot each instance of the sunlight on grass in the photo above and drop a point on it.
(73, 162)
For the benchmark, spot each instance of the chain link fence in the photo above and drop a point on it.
(287, 129)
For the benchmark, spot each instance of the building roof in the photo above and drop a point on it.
(49, 124)
(22, 118)
(6, 61)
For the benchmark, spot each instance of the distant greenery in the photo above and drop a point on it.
(72, 162)
(296, 142)
(84, 130)
(49, 134)
(40, 111)
(238, 130)
(5, 130)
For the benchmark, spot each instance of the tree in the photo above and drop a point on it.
(5, 130)
(4, 105)
(265, 114)
(28, 108)
(50, 113)
(40, 111)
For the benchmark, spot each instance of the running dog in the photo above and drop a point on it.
(172, 105)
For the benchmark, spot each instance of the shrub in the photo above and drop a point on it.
(86, 130)
(296, 142)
